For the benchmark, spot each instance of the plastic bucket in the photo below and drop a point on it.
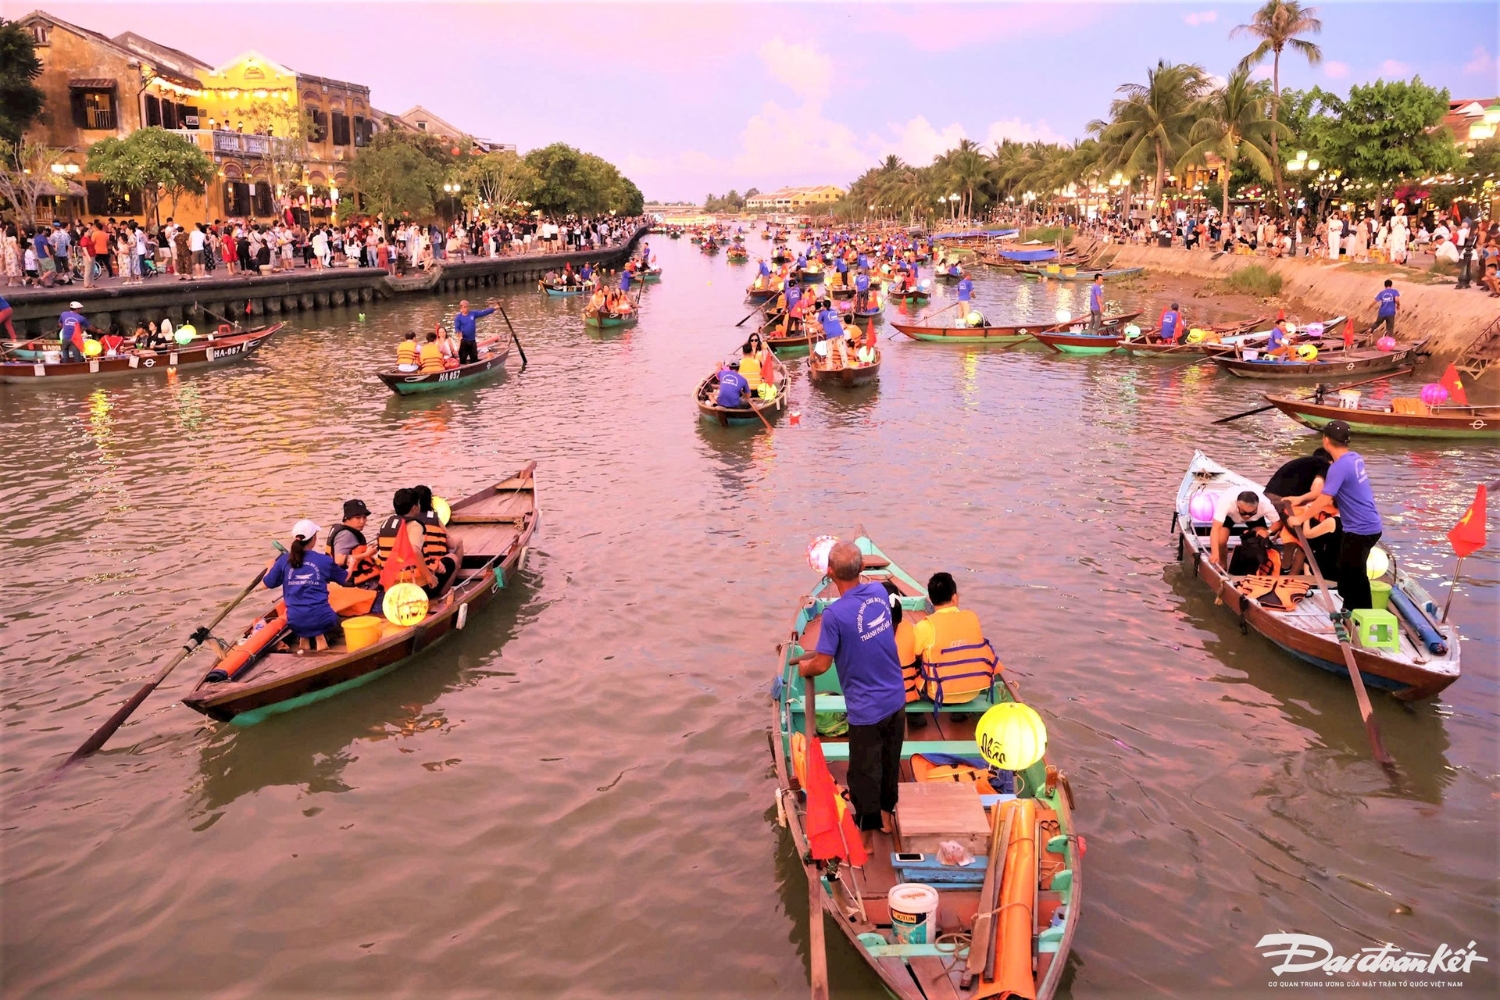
(1380, 595)
(913, 913)
(362, 631)
(1251, 354)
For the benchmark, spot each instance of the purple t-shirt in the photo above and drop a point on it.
(858, 633)
(1349, 485)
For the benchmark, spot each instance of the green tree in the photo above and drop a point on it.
(1150, 124)
(153, 161)
(26, 174)
(1232, 123)
(1385, 131)
(401, 173)
(1278, 24)
(21, 100)
(499, 178)
(569, 180)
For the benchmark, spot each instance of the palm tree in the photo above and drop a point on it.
(1150, 123)
(1277, 25)
(1232, 123)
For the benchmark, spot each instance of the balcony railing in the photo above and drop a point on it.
(99, 118)
(232, 143)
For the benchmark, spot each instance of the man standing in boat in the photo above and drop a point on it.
(858, 634)
(1347, 489)
(1096, 304)
(463, 325)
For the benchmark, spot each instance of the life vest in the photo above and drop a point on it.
(749, 368)
(407, 352)
(957, 772)
(961, 663)
(362, 569)
(434, 540)
(906, 652)
(432, 358)
(1278, 593)
(397, 559)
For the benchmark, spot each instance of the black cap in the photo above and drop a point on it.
(355, 508)
(1336, 431)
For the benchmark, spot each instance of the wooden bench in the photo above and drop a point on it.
(836, 703)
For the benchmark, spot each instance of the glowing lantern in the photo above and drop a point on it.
(1386, 344)
(185, 334)
(1201, 507)
(1132, 331)
(1307, 352)
(1433, 394)
(1011, 736)
(817, 552)
(92, 348)
(1063, 315)
(1377, 564)
(974, 318)
(796, 418)
(405, 604)
(441, 509)
(1196, 335)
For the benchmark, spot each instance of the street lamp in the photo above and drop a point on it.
(452, 190)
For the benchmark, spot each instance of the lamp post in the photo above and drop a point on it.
(452, 190)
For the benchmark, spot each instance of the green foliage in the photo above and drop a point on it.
(569, 180)
(1048, 234)
(401, 173)
(152, 161)
(21, 99)
(1254, 280)
(731, 203)
(1384, 131)
(1151, 123)
(1232, 123)
(498, 178)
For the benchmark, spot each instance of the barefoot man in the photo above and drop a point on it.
(857, 633)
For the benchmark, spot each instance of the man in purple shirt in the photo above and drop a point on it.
(1347, 487)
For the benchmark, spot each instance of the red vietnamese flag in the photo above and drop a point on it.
(870, 340)
(1455, 386)
(1467, 535)
(831, 832)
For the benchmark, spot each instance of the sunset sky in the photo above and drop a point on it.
(692, 98)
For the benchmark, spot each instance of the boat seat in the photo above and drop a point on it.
(840, 751)
(835, 703)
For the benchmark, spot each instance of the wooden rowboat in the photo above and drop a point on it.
(1336, 365)
(560, 290)
(1002, 335)
(604, 320)
(819, 372)
(1075, 341)
(726, 416)
(202, 353)
(1043, 906)
(495, 525)
(1427, 660)
(1459, 422)
(785, 342)
(491, 359)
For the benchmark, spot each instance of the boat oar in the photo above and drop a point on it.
(817, 953)
(982, 940)
(752, 313)
(198, 638)
(1360, 694)
(1263, 409)
(514, 339)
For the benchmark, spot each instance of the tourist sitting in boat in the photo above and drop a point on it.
(586, 274)
(443, 556)
(1323, 529)
(398, 546)
(833, 336)
(431, 359)
(1236, 517)
(347, 546)
(957, 663)
(303, 574)
(113, 342)
(753, 362)
(1256, 555)
(154, 338)
(734, 389)
(1279, 344)
(1300, 479)
(408, 354)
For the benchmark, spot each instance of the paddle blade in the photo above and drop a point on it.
(1468, 535)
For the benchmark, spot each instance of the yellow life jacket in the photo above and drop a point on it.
(406, 352)
(906, 652)
(963, 774)
(960, 664)
(432, 358)
(750, 369)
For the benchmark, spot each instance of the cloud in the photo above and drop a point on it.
(1335, 70)
(1481, 64)
(918, 141)
(1200, 17)
(1395, 68)
(801, 68)
(1016, 130)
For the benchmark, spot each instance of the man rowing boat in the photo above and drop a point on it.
(463, 325)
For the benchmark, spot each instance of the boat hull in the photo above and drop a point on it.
(843, 378)
(1366, 363)
(1469, 423)
(412, 383)
(223, 350)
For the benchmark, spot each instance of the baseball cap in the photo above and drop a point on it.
(356, 508)
(1336, 431)
(305, 529)
(75, 304)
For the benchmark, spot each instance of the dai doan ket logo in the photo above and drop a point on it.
(1305, 953)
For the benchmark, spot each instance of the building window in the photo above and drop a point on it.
(169, 114)
(341, 129)
(236, 198)
(105, 200)
(153, 110)
(421, 126)
(361, 130)
(262, 199)
(319, 130)
(40, 33)
(94, 109)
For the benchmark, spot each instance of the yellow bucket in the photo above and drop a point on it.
(362, 631)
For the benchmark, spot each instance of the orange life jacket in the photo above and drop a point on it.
(906, 652)
(398, 559)
(406, 352)
(961, 663)
(432, 358)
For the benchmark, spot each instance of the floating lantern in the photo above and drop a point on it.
(441, 508)
(1307, 352)
(92, 349)
(184, 334)
(1291, 329)
(1201, 507)
(1386, 344)
(1433, 394)
(796, 418)
(1377, 564)
(1011, 736)
(817, 552)
(405, 604)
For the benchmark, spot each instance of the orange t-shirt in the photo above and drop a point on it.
(101, 243)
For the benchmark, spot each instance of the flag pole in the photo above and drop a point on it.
(1451, 585)
(817, 952)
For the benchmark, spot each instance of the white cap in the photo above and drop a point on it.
(305, 529)
(75, 305)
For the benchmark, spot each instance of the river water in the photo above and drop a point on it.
(573, 797)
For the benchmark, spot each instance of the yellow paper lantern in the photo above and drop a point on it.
(1377, 563)
(441, 508)
(405, 604)
(1196, 335)
(92, 348)
(1011, 736)
(1307, 352)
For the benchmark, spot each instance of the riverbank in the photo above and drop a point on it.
(1450, 318)
(210, 301)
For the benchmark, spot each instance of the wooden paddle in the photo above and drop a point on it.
(514, 339)
(982, 939)
(198, 638)
(1263, 409)
(1360, 694)
(817, 952)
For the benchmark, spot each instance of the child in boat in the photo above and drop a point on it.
(303, 574)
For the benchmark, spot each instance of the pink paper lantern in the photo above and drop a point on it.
(1314, 331)
(1386, 343)
(1434, 394)
(1201, 507)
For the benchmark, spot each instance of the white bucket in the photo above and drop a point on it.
(1349, 399)
(1251, 354)
(913, 913)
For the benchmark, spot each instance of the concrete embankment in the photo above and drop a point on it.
(239, 297)
(1452, 319)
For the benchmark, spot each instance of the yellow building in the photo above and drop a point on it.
(794, 199)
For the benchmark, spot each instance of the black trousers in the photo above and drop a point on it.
(875, 767)
(1353, 580)
(468, 352)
